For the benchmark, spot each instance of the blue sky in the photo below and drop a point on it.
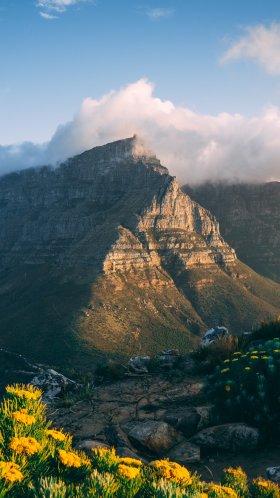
(49, 66)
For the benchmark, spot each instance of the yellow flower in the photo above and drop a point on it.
(237, 352)
(235, 472)
(276, 350)
(10, 472)
(227, 361)
(228, 388)
(128, 472)
(261, 486)
(25, 445)
(264, 357)
(247, 368)
(30, 394)
(69, 458)
(59, 436)
(235, 359)
(254, 357)
(217, 491)
(225, 370)
(254, 352)
(130, 461)
(22, 417)
(172, 471)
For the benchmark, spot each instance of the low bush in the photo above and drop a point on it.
(246, 387)
(38, 461)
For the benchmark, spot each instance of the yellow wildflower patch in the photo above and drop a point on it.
(254, 357)
(10, 471)
(57, 435)
(69, 458)
(25, 445)
(127, 471)
(131, 461)
(217, 491)
(227, 388)
(23, 417)
(247, 368)
(227, 361)
(171, 471)
(29, 394)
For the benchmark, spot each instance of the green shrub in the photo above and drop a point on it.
(246, 387)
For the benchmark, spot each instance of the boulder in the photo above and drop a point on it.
(273, 473)
(190, 420)
(232, 437)
(184, 453)
(88, 445)
(124, 452)
(53, 383)
(157, 437)
(139, 364)
(214, 334)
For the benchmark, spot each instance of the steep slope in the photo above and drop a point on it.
(106, 255)
(249, 217)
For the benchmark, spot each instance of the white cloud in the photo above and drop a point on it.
(45, 15)
(159, 13)
(49, 7)
(260, 43)
(195, 147)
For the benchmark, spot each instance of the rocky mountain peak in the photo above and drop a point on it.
(109, 157)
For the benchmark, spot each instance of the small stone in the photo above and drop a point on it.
(273, 473)
(184, 453)
(88, 445)
(155, 436)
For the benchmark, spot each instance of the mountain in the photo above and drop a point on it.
(106, 255)
(249, 217)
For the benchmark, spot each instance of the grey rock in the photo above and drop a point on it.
(88, 445)
(189, 419)
(53, 383)
(273, 473)
(185, 453)
(213, 335)
(125, 452)
(139, 364)
(233, 437)
(158, 437)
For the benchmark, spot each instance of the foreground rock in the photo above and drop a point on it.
(231, 437)
(158, 437)
(53, 383)
(273, 473)
(184, 453)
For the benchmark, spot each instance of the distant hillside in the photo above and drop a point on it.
(249, 217)
(105, 255)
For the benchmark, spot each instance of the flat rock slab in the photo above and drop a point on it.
(185, 453)
(157, 437)
(231, 437)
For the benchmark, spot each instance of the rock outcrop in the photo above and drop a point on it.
(249, 216)
(106, 255)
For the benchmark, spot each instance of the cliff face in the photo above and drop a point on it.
(249, 217)
(106, 254)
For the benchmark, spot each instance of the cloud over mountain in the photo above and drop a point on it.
(195, 147)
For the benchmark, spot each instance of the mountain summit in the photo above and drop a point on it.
(106, 255)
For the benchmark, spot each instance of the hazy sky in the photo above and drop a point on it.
(212, 58)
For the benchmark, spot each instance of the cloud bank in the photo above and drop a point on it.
(261, 44)
(195, 147)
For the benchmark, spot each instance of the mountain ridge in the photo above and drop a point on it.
(105, 255)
